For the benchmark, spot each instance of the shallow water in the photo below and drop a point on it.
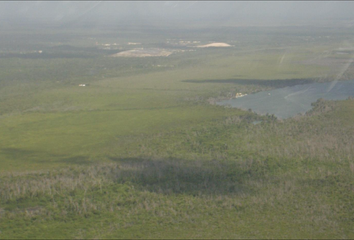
(290, 101)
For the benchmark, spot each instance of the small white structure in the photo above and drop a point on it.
(82, 85)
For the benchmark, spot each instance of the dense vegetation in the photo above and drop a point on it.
(141, 152)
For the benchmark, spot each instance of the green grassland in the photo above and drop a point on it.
(141, 152)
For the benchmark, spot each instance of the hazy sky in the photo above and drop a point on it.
(174, 12)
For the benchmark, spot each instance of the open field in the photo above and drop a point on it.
(141, 153)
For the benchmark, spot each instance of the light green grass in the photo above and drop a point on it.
(140, 153)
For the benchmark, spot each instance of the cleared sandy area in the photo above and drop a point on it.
(141, 52)
(215, 45)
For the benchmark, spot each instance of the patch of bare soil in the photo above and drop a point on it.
(141, 52)
(219, 44)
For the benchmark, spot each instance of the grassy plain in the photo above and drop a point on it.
(140, 152)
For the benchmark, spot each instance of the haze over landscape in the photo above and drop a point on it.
(176, 119)
(183, 13)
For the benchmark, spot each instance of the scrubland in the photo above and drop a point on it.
(142, 152)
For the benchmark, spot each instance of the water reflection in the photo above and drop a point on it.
(290, 101)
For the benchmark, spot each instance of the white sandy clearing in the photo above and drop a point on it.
(140, 52)
(215, 45)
